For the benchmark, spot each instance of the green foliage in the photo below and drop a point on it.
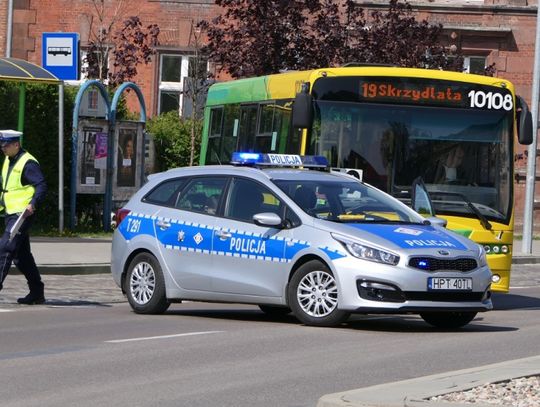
(172, 138)
(260, 37)
(41, 140)
(41, 136)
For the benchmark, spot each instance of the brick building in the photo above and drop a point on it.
(487, 31)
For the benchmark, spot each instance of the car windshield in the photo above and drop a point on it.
(346, 201)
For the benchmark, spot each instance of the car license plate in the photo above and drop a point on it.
(450, 283)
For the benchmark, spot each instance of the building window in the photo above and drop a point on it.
(173, 71)
(474, 64)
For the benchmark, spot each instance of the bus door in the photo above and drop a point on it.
(248, 127)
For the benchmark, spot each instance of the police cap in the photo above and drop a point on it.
(9, 136)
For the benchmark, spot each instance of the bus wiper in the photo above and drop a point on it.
(483, 220)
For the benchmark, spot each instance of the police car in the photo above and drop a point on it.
(269, 230)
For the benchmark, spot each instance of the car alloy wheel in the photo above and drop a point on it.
(142, 283)
(145, 286)
(317, 294)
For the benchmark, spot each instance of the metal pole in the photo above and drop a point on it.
(61, 157)
(528, 212)
(9, 28)
(22, 102)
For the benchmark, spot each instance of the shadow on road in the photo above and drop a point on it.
(413, 323)
(74, 303)
(504, 302)
(379, 323)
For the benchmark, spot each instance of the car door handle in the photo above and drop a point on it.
(223, 235)
(163, 224)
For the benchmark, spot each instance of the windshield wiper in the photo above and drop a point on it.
(483, 220)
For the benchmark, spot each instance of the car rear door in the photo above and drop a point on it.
(185, 231)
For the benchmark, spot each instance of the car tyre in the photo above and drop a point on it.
(313, 295)
(274, 310)
(448, 320)
(145, 285)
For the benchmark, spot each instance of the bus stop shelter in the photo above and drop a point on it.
(18, 70)
(23, 72)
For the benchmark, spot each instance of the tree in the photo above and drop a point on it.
(196, 85)
(134, 45)
(128, 46)
(258, 37)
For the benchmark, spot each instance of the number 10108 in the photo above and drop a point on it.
(490, 100)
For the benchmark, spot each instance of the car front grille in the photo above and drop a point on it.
(435, 264)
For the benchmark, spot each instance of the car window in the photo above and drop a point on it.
(346, 201)
(246, 198)
(202, 195)
(166, 193)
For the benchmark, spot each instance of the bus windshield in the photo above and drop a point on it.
(463, 155)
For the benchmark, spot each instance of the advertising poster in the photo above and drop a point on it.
(127, 153)
(89, 174)
(91, 156)
(101, 151)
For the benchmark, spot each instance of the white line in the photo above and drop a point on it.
(162, 337)
(7, 310)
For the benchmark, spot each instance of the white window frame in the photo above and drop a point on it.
(165, 86)
(467, 62)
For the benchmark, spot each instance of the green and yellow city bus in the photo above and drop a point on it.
(454, 130)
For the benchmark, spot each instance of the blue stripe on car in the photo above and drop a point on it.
(194, 237)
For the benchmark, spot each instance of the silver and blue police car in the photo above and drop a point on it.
(319, 244)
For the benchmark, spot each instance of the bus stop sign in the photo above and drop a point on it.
(60, 54)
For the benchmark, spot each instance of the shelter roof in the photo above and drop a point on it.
(14, 69)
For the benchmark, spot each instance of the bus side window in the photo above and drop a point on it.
(214, 136)
(231, 127)
(248, 123)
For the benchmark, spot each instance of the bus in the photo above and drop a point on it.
(455, 132)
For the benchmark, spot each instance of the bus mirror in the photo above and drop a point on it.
(524, 120)
(302, 111)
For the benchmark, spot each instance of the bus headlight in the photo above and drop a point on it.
(364, 252)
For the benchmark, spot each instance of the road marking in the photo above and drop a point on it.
(162, 337)
(6, 310)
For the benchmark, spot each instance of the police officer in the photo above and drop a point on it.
(23, 189)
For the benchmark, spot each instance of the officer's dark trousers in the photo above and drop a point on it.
(18, 252)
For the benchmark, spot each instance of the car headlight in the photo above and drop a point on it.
(365, 252)
(482, 258)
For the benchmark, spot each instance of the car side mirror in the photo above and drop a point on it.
(433, 220)
(268, 219)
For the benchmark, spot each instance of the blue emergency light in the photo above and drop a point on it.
(279, 160)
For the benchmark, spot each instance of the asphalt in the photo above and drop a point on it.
(76, 272)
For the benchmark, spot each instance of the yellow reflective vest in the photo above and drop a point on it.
(16, 196)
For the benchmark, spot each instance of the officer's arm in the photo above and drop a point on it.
(32, 175)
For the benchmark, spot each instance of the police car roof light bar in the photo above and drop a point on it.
(279, 160)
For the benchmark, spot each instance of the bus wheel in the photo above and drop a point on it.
(145, 286)
(313, 295)
(448, 320)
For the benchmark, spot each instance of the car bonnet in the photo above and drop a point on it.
(405, 236)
